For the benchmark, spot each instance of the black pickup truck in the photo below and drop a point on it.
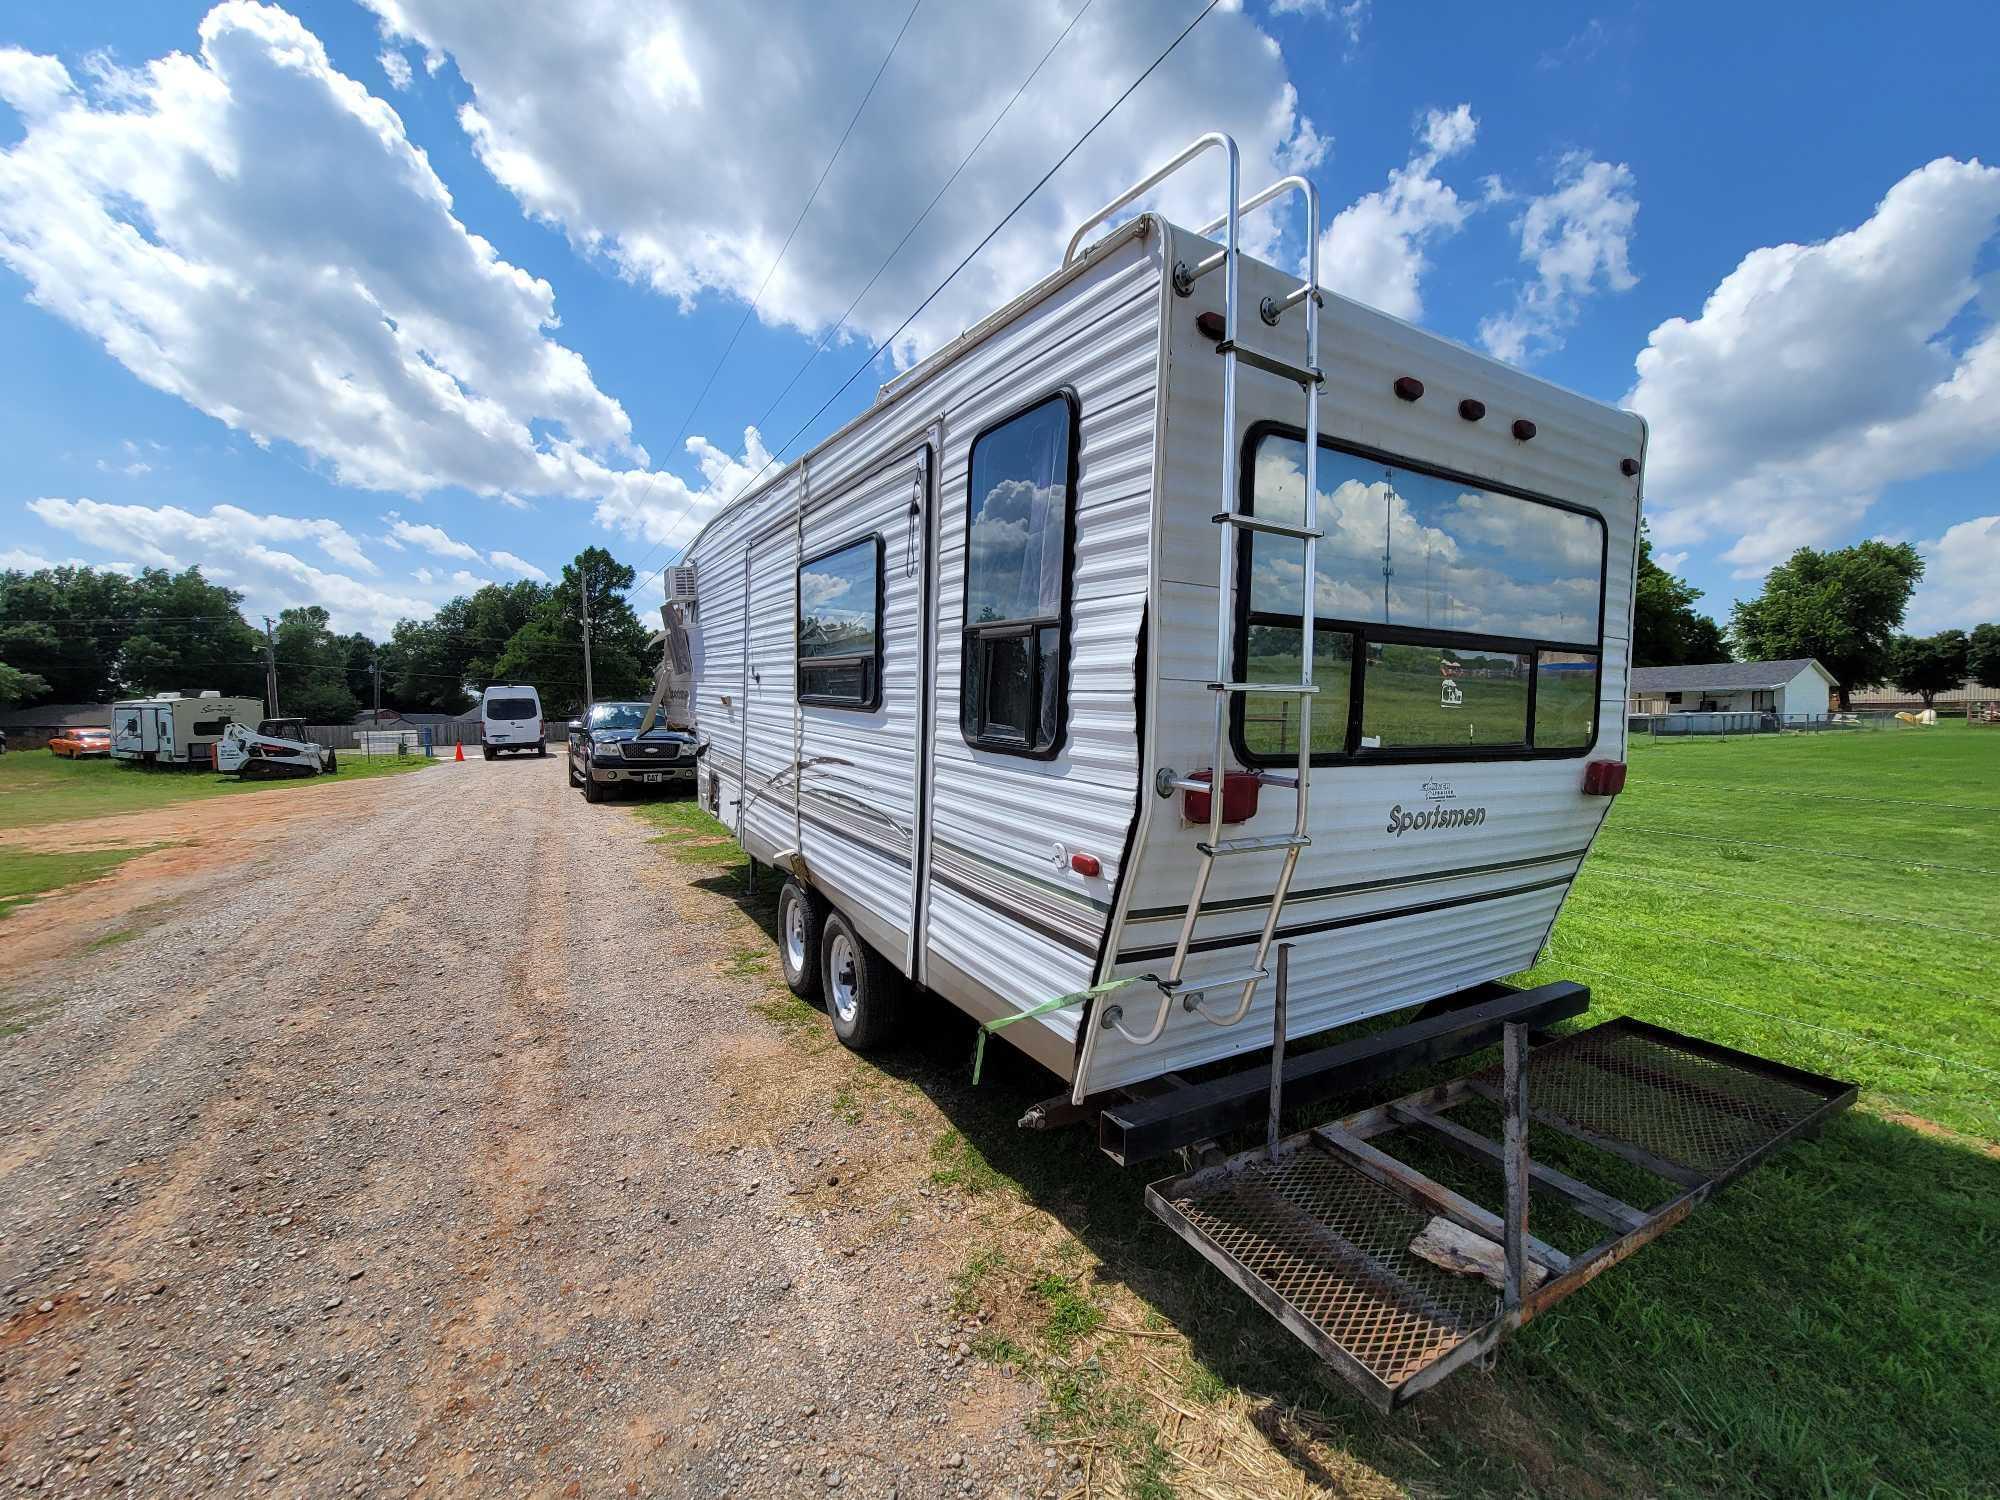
(606, 752)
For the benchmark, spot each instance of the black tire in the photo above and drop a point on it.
(541, 749)
(573, 781)
(333, 763)
(487, 751)
(862, 993)
(796, 901)
(593, 789)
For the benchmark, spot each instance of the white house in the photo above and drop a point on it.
(1773, 687)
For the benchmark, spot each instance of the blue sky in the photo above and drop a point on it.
(358, 304)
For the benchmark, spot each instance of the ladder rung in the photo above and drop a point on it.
(1185, 984)
(1263, 845)
(1272, 528)
(1269, 365)
(1287, 779)
(1278, 689)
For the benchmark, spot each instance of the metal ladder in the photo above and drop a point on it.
(1231, 524)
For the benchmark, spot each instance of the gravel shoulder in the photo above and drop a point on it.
(454, 1141)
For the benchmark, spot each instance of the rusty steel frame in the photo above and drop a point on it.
(1348, 1142)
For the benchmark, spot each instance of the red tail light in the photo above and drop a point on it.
(1604, 778)
(1239, 798)
(1085, 864)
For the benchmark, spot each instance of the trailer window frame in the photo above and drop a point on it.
(1365, 633)
(974, 722)
(870, 661)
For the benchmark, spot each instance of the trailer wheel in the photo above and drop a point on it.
(800, 916)
(862, 999)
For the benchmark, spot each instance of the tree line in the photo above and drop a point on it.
(84, 635)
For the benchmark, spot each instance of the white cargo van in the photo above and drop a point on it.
(510, 718)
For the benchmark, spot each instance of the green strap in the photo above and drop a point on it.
(987, 1028)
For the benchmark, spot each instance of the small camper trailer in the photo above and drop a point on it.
(1182, 661)
(177, 729)
(968, 669)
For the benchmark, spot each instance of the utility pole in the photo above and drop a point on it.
(375, 666)
(271, 666)
(589, 694)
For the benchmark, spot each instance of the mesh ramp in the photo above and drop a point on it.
(1319, 1230)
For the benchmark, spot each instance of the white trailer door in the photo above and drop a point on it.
(768, 820)
(861, 591)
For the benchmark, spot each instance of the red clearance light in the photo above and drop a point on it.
(1604, 778)
(1239, 798)
(1409, 388)
(1085, 864)
(1211, 326)
(1471, 410)
(1629, 467)
(1523, 429)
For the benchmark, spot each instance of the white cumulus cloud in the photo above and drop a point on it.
(518, 565)
(1816, 375)
(432, 539)
(1961, 585)
(252, 231)
(1577, 238)
(1375, 249)
(252, 552)
(669, 176)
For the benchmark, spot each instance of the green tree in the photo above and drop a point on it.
(19, 687)
(548, 651)
(425, 662)
(1929, 664)
(66, 627)
(1841, 607)
(1982, 656)
(1667, 631)
(188, 636)
(312, 668)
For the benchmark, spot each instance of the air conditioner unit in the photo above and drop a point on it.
(680, 584)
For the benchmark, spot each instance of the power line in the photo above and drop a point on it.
(935, 291)
(887, 260)
(812, 198)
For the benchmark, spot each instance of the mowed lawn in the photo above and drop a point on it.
(1830, 900)
(38, 789)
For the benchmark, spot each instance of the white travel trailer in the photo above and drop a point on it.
(177, 728)
(1020, 679)
(957, 667)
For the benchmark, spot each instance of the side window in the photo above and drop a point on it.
(840, 626)
(1019, 502)
(1449, 618)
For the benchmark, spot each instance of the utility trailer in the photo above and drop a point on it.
(1175, 618)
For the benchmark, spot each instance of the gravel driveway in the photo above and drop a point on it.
(414, 1161)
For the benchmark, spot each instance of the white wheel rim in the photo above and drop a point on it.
(843, 978)
(795, 935)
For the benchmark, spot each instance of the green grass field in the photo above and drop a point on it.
(1828, 1326)
(38, 789)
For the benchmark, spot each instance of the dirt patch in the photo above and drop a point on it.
(1939, 1132)
(207, 844)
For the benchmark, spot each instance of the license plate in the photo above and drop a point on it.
(652, 776)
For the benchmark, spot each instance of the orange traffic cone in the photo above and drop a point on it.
(461, 753)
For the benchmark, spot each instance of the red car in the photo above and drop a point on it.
(77, 743)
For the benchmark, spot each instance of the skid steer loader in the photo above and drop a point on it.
(275, 750)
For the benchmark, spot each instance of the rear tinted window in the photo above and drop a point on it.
(511, 708)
